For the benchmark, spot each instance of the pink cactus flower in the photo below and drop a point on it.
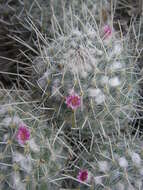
(83, 176)
(107, 31)
(23, 134)
(73, 101)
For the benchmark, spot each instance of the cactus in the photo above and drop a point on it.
(16, 34)
(32, 152)
(82, 9)
(71, 128)
(96, 64)
(112, 163)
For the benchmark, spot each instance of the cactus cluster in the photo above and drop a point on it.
(96, 64)
(32, 152)
(69, 125)
(114, 163)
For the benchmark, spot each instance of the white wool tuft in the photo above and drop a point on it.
(136, 158)
(46, 74)
(84, 74)
(97, 94)
(12, 120)
(17, 157)
(4, 109)
(18, 185)
(104, 80)
(91, 32)
(116, 65)
(103, 166)
(26, 164)
(6, 121)
(141, 171)
(123, 162)
(98, 180)
(80, 62)
(89, 177)
(113, 82)
(24, 161)
(33, 146)
(76, 32)
(5, 137)
(16, 178)
(139, 183)
(93, 92)
(117, 49)
(100, 99)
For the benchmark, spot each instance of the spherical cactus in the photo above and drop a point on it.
(113, 163)
(32, 152)
(94, 64)
(71, 127)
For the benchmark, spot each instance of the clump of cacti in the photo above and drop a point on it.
(69, 125)
(32, 152)
(94, 64)
(113, 163)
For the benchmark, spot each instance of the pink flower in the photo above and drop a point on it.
(107, 31)
(73, 101)
(23, 134)
(83, 176)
